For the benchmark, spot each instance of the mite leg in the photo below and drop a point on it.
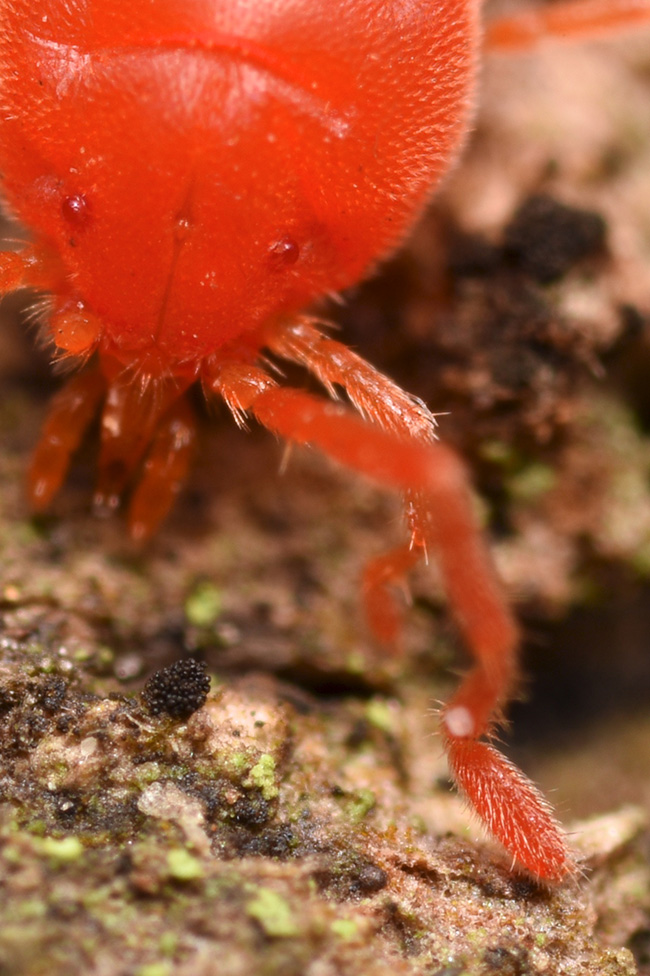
(70, 413)
(511, 808)
(454, 537)
(71, 327)
(164, 472)
(132, 411)
(31, 267)
(380, 577)
(384, 403)
(444, 517)
(566, 20)
(375, 396)
(430, 470)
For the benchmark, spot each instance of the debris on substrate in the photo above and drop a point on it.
(299, 821)
(268, 833)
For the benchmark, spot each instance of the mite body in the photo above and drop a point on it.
(202, 170)
(193, 176)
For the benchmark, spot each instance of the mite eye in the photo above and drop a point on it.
(283, 253)
(76, 210)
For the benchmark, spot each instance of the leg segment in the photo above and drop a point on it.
(29, 268)
(374, 395)
(165, 470)
(566, 20)
(380, 400)
(134, 417)
(74, 330)
(380, 576)
(73, 408)
(70, 413)
(511, 808)
(443, 516)
(132, 411)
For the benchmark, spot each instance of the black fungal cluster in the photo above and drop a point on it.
(177, 690)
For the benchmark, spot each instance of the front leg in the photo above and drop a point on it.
(508, 803)
(384, 403)
(568, 20)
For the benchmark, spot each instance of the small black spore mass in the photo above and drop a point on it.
(177, 690)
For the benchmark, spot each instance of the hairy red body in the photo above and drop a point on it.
(193, 176)
(225, 168)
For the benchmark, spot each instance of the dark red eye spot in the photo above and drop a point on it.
(283, 253)
(76, 210)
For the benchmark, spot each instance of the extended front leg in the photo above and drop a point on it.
(568, 20)
(507, 802)
(380, 400)
(375, 396)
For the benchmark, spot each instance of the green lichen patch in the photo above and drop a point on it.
(183, 866)
(262, 776)
(273, 912)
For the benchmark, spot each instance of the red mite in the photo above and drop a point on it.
(194, 175)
